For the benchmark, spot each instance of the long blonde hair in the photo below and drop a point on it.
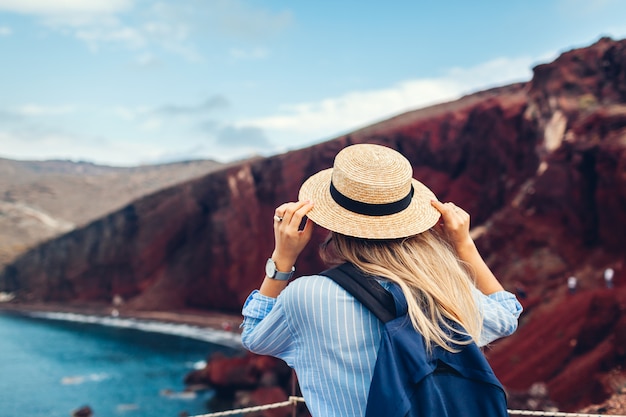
(435, 282)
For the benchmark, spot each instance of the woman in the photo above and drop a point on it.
(388, 225)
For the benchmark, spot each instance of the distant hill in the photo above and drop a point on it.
(40, 200)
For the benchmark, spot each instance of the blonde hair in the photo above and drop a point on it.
(435, 282)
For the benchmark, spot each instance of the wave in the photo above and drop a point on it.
(219, 337)
(79, 379)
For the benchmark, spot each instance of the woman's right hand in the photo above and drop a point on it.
(289, 240)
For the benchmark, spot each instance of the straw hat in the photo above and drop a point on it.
(370, 193)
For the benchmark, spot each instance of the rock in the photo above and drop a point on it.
(84, 411)
(230, 374)
(570, 348)
(248, 381)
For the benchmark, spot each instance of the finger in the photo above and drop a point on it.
(300, 214)
(298, 220)
(452, 216)
(451, 207)
(454, 211)
(291, 209)
(448, 208)
(307, 231)
(287, 214)
(458, 211)
(280, 213)
(436, 203)
(445, 209)
(441, 207)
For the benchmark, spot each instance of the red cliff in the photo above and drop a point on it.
(203, 244)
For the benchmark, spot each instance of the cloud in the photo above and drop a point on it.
(252, 54)
(60, 7)
(42, 143)
(132, 113)
(153, 119)
(232, 136)
(191, 153)
(5, 31)
(157, 26)
(147, 59)
(304, 122)
(237, 18)
(27, 114)
(95, 36)
(583, 8)
(499, 71)
(151, 124)
(34, 131)
(8, 117)
(39, 110)
(213, 103)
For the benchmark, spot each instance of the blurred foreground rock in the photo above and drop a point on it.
(248, 381)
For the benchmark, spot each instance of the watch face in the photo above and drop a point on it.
(270, 268)
(273, 273)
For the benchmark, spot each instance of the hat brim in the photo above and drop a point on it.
(418, 217)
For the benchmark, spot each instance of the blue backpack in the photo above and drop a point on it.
(410, 382)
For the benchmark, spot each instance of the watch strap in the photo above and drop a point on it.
(284, 276)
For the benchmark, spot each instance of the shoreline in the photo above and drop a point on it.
(208, 319)
(195, 324)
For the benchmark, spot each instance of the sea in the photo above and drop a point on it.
(52, 364)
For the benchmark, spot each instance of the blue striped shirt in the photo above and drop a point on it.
(331, 340)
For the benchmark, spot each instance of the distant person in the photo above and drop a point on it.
(387, 225)
(572, 282)
(117, 300)
(608, 277)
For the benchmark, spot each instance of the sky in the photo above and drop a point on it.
(134, 82)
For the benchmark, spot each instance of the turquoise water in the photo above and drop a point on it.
(52, 367)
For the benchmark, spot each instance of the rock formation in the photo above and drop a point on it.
(541, 167)
(202, 244)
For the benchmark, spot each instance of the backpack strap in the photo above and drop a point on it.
(365, 289)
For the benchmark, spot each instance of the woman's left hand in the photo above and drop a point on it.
(456, 226)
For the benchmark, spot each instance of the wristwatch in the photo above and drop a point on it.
(271, 272)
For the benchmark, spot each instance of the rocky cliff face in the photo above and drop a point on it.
(203, 244)
(541, 167)
(569, 219)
